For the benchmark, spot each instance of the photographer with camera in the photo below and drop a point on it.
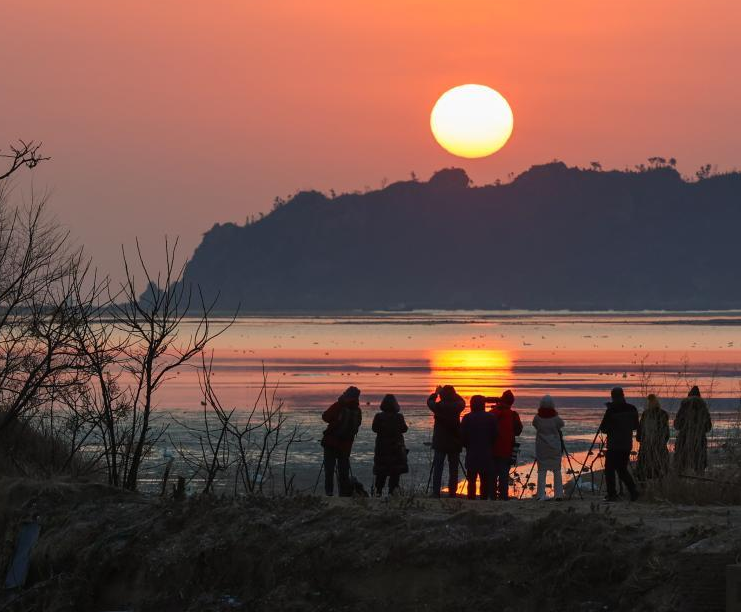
(619, 423)
(447, 406)
(510, 426)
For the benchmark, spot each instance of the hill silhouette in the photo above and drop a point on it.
(554, 238)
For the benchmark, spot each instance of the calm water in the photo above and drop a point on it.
(576, 357)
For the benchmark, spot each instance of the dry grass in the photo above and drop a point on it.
(715, 487)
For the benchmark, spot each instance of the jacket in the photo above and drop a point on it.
(446, 435)
(478, 435)
(548, 427)
(619, 423)
(390, 455)
(332, 416)
(509, 425)
(692, 424)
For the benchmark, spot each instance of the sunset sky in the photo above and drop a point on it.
(167, 116)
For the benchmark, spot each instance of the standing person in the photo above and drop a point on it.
(344, 419)
(390, 456)
(447, 406)
(619, 423)
(692, 424)
(653, 434)
(510, 426)
(478, 434)
(548, 426)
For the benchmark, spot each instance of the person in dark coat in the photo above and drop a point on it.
(478, 435)
(692, 424)
(653, 434)
(510, 426)
(390, 456)
(344, 418)
(618, 424)
(447, 406)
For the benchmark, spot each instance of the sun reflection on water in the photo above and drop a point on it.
(471, 371)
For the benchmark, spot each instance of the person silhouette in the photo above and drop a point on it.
(548, 426)
(446, 405)
(692, 424)
(343, 420)
(653, 434)
(478, 435)
(618, 424)
(510, 426)
(390, 454)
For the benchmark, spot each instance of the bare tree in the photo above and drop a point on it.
(23, 154)
(38, 313)
(153, 325)
(251, 445)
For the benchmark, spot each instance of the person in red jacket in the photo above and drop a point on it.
(510, 426)
(344, 419)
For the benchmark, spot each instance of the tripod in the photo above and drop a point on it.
(565, 451)
(584, 465)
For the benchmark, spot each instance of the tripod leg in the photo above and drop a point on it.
(568, 459)
(318, 476)
(581, 471)
(429, 478)
(527, 480)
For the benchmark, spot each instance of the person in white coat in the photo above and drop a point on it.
(548, 426)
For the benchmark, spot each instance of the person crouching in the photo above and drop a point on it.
(479, 433)
(344, 418)
(390, 456)
(548, 426)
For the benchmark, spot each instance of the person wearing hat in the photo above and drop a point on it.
(390, 454)
(447, 406)
(509, 426)
(478, 434)
(548, 426)
(692, 424)
(343, 418)
(618, 424)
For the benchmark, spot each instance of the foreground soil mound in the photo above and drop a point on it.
(102, 549)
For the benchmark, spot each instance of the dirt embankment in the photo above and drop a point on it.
(102, 549)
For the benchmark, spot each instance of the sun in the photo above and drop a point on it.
(471, 121)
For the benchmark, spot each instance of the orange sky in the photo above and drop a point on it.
(186, 113)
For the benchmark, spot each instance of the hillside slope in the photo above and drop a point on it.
(556, 237)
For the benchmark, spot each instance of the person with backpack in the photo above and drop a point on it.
(478, 435)
(548, 426)
(446, 405)
(390, 455)
(344, 418)
(619, 423)
(510, 426)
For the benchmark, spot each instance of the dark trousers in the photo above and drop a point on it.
(332, 458)
(500, 486)
(486, 482)
(617, 461)
(381, 482)
(438, 462)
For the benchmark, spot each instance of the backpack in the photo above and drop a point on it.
(348, 423)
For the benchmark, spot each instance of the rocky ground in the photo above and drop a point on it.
(101, 549)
